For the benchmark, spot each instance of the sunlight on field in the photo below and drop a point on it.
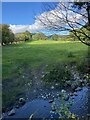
(48, 42)
(36, 53)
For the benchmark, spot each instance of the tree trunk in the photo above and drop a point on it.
(88, 12)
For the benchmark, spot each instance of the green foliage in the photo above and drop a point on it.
(82, 33)
(62, 108)
(59, 73)
(7, 35)
(0, 34)
(25, 36)
(55, 37)
(39, 36)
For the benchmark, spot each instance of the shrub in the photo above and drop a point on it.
(60, 73)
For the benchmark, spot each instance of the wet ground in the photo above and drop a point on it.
(40, 107)
(38, 99)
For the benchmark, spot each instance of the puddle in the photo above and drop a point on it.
(41, 108)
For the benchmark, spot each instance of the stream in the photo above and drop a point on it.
(40, 108)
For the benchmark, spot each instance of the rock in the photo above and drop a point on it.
(35, 77)
(34, 91)
(31, 116)
(53, 109)
(49, 94)
(50, 101)
(68, 83)
(63, 91)
(22, 101)
(29, 84)
(56, 84)
(12, 112)
(73, 97)
(17, 106)
(75, 93)
(71, 94)
(85, 81)
(74, 86)
(57, 95)
(78, 89)
(44, 98)
(67, 98)
(52, 87)
(53, 96)
(88, 84)
(88, 115)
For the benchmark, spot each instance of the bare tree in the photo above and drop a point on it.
(68, 16)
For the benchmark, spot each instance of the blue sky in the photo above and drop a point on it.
(23, 13)
(20, 12)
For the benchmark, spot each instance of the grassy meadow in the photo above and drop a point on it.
(33, 55)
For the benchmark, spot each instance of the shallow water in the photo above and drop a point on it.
(41, 108)
(81, 103)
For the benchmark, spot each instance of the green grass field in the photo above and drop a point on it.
(37, 53)
(34, 54)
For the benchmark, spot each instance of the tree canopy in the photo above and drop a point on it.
(66, 17)
(7, 34)
(39, 36)
(25, 36)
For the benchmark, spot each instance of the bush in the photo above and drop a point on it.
(59, 73)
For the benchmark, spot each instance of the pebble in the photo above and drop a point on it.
(53, 109)
(50, 101)
(17, 106)
(78, 89)
(12, 112)
(88, 115)
(75, 93)
(67, 98)
(56, 84)
(47, 95)
(22, 101)
(34, 91)
(52, 87)
(57, 94)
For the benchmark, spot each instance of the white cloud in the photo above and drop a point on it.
(21, 28)
(55, 17)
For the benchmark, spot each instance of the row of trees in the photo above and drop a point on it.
(8, 37)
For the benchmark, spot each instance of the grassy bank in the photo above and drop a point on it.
(19, 60)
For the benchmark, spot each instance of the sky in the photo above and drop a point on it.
(22, 16)
(20, 12)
